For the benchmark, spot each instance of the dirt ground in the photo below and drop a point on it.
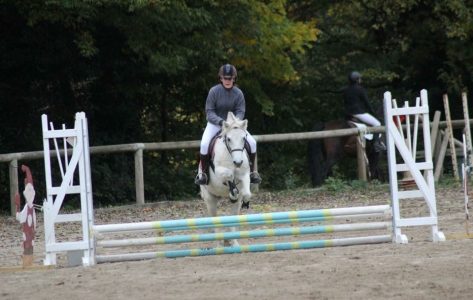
(418, 270)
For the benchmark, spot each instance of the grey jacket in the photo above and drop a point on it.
(220, 101)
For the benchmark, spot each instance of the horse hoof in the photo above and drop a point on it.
(233, 195)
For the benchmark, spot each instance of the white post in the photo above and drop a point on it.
(466, 116)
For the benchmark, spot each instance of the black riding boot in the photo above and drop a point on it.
(254, 176)
(203, 177)
(378, 144)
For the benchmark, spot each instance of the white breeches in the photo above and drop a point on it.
(211, 130)
(368, 119)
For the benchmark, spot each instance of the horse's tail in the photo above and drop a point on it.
(316, 157)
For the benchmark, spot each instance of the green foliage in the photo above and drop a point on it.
(359, 184)
(141, 71)
(449, 181)
(401, 46)
(283, 165)
(333, 184)
(113, 179)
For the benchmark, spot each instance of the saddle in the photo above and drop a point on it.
(211, 152)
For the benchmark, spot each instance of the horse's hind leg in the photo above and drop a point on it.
(211, 203)
(373, 163)
(244, 195)
(334, 152)
(235, 210)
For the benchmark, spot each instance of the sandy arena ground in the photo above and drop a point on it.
(418, 270)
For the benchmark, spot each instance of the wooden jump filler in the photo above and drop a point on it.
(27, 217)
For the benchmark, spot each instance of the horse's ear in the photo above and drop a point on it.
(230, 117)
(244, 125)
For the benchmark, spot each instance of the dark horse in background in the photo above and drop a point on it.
(325, 153)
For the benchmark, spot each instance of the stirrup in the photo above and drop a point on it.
(201, 179)
(255, 178)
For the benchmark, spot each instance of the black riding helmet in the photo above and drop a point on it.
(354, 77)
(227, 70)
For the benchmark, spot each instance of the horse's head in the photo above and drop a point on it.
(234, 135)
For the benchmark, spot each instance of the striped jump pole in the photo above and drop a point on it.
(248, 248)
(253, 223)
(295, 231)
(243, 220)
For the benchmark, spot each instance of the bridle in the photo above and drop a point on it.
(230, 150)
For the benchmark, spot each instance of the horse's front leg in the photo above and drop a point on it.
(223, 175)
(227, 178)
(211, 203)
(233, 191)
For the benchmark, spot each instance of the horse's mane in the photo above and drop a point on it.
(233, 122)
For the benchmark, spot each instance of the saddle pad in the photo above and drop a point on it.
(362, 127)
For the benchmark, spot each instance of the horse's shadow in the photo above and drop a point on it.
(324, 154)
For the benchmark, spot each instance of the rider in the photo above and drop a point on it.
(223, 98)
(358, 107)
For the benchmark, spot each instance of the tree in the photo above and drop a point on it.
(140, 70)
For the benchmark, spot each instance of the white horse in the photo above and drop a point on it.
(230, 172)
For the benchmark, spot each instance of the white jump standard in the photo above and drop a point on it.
(426, 185)
(77, 139)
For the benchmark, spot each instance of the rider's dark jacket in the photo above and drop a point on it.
(356, 100)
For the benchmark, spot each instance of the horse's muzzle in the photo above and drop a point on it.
(238, 164)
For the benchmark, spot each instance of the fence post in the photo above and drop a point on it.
(449, 131)
(13, 170)
(360, 155)
(139, 178)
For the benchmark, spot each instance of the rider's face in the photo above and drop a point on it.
(227, 82)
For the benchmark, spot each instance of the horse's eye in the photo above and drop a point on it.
(228, 139)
